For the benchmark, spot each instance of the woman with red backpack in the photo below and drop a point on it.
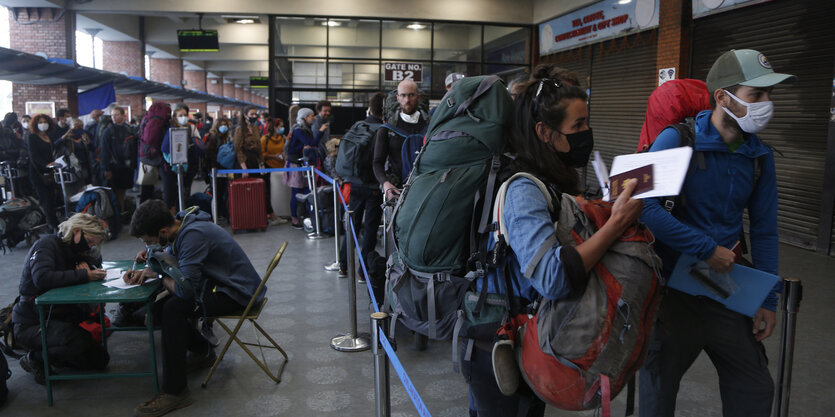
(550, 138)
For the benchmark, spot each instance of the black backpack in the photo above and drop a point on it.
(352, 160)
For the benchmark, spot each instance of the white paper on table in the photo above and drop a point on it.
(122, 285)
(669, 169)
(113, 274)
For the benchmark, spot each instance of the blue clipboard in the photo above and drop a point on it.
(754, 286)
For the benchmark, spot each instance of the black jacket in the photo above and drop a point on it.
(50, 264)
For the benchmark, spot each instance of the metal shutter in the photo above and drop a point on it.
(576, 60)
(622, 78)
(797, 37)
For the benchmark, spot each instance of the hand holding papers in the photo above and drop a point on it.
(665, 169)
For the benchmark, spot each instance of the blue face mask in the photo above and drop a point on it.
(223, 129)
(280, 130)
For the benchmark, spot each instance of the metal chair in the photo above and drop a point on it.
(251, 313)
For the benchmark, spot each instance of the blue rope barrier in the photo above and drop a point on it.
(261, 171)
(420, 406)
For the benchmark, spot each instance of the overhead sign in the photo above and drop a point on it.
(603, 20)
(703, 8)
(399, 71)
(259, 82)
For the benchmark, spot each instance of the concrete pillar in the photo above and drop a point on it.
(675, 24)
(50, 31)
(125, 57)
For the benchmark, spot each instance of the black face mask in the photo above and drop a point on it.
(81, 246)
(581, 144)
(252, 119)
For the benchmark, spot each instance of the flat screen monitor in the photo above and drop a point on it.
(259, 82)
(194, 40)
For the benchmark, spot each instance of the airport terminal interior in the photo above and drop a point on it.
(221, 59)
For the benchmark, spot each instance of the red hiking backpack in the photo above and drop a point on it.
(578, 353)
(151, 132)
(670, 104)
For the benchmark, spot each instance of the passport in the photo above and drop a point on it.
(643, 175)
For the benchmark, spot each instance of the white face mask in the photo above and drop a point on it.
(43, 127)
(410, 118)
(182, 120)
(25, 125)
(756, 117)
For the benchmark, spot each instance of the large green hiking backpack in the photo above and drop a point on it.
(441, 219)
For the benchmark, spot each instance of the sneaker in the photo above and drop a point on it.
(342, 273)
(198, 362)
(275, 221)
(125, 317)
(34, 367)
(504, 367)
(297, 226)
(163, 403)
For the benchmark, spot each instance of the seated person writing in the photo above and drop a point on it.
(60, 260)
(217, 278)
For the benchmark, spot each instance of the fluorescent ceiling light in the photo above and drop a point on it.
(418, 26)
(625, 1)
(331, 23)
(245, 21)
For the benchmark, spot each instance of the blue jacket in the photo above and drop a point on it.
(536, 262)
(207, 254)
(300, 139)
(713, 200)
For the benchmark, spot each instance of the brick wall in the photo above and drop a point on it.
(674, 32)
(247, 96)
(194, 107)
(239, 93)
(215, 89)
(167, 71)
(124, 57)
(229, 90)
(64, 96)
(134, 101)
(57, 40)
(195, 80)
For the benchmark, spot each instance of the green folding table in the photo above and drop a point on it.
(96, 293)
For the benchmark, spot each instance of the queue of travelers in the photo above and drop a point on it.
(550, 137)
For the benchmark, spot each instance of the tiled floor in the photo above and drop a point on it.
(308, 306)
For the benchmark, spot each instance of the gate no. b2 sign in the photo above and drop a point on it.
(399, 71)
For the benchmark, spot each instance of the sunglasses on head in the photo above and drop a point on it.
(543, 82)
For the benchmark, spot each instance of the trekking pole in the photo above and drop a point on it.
(180, 185)
(335, 265)
(352, 341)
(311, 181)
(382, 393)
(214, 195)
(63, 190)
(792, 294)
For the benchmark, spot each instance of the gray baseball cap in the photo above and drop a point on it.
(744, 67)
(453, 77)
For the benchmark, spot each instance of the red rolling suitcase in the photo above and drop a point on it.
(247, 209)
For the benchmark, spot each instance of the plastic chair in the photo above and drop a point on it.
(251, 313)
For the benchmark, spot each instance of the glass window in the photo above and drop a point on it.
(299, 36)
(507, 44)
(353, 74)
(456, 42)
(309, 74)
(407, 40)
(354, 38)
(506, 72)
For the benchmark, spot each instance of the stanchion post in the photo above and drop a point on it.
(792, 294)
(335, 265)
(382, 393)
(214, 195)
(352, 341)
(180, 185)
